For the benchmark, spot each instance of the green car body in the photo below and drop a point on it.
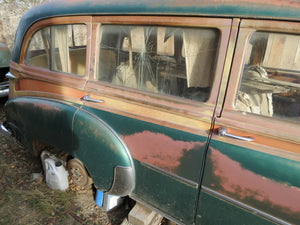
(194, 160)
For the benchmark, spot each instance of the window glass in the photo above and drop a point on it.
(59, 48)
(167, 60)
(271, 78)
(37, 52)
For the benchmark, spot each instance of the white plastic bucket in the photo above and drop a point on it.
(56, 175)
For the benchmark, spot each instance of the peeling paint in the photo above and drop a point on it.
(243, 184)
(159, 149)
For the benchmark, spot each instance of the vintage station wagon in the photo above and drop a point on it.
(191, 108)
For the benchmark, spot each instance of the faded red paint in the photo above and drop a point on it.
(158, 149)
(46, 107)
(242, 183)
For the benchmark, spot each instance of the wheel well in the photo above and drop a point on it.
(38, 147)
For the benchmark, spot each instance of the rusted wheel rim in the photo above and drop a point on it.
(77, 172)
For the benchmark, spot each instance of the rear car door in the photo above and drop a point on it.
(155, 82)
(253, 163)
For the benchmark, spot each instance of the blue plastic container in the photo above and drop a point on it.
(99, 198)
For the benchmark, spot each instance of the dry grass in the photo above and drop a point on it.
(27, 201)
(21, 203)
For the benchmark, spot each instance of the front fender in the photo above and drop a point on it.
(104, 154)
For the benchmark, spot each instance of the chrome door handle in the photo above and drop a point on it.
(89, 99)
(10, 76)
(223, 132)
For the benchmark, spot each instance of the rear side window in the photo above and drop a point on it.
(167, 60)
(271, 78)
(59, 48)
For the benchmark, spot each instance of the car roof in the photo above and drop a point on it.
(264, 9)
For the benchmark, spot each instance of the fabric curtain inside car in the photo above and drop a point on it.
(61, 33)
(199, 48)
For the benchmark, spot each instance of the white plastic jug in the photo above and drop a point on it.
(56, 175)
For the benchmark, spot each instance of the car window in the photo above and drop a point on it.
(168, 60)
(59, 48)
(270, 83)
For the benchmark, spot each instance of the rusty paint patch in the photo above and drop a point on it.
(46, 107)
(243, 184)
(159, 149)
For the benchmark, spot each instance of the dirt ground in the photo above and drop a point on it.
(24, 200)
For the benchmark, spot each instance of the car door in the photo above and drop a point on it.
(253, 163)
(154, 83)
